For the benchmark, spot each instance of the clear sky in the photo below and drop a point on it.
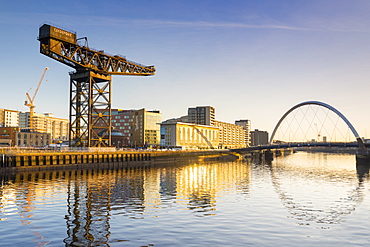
(249, 59)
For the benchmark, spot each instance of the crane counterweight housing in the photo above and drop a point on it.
(47, 31)
(90, 85)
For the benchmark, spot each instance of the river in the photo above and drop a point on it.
(303, 199)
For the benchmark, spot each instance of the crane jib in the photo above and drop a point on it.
(62, 45)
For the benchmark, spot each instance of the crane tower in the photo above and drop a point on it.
(90, 84)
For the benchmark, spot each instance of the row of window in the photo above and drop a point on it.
(27, 136)
(120, 117)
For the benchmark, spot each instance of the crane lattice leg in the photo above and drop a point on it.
(90, 109)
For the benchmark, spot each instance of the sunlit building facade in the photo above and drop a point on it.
(57, 127)
(231, 135)
(26, 138)
(122, 122)
(136, 128)
(189, 136)
(145, 128)
(46, 123)
(247, 129)
(9, 118)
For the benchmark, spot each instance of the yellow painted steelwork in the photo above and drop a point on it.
(90, 84)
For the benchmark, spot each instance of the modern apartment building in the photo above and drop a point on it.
(135, 128)
(9, 118)
(46, 123)
(122, 122)
(189, 136)
(259, 137)
(204, 115)
(57, 127)
(145, 129)
(247, 127)
(231, 135)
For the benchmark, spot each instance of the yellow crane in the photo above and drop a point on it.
(30, 101)
(90, 107)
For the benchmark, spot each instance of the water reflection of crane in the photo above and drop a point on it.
(94, 196)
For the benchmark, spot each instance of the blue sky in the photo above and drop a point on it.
(249, 59)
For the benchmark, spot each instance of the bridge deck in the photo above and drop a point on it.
(300, 144)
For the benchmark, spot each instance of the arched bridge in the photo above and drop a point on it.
(360, 144)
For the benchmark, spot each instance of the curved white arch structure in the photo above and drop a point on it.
(358, 138)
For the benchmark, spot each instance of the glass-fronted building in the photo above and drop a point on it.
(145, 130)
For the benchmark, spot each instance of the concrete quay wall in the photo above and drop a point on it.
(70, 159)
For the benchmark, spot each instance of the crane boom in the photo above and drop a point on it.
(39, 84)
(62, 46)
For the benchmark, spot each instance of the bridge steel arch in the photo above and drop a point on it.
(358, 138)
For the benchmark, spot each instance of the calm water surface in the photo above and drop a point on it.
(304, 199)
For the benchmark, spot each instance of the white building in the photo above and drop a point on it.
(9, 118)
(231, 135)
(189, 136)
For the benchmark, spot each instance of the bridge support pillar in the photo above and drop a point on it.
(268, 155)
(363, 159)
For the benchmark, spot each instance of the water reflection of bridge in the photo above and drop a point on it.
(302, 208)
